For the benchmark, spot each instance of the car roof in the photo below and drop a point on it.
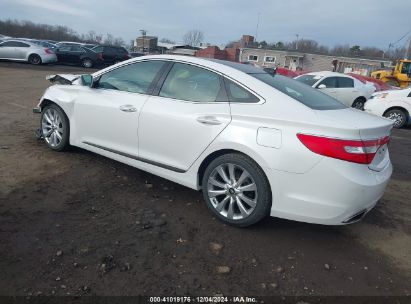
(216, 64)
(328, 74)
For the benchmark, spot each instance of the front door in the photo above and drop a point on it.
(187, 115)
(107, 115)
(329, 86)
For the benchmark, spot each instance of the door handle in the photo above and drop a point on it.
(209, 120)
(128, 108)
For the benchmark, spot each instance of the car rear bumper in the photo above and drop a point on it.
(334, 192)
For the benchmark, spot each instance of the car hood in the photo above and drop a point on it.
(368, 125)
(62, 78)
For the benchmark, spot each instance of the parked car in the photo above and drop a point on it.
(66, 43)
(42, 43)
(346, 89)
(379, 85)
(112, 54)
(14, 49)
(256, 144)
(393, 104)
(78, 55)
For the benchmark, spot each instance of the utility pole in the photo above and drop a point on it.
(143, 33)
(256, 28)
(407, 51)
(296, 43)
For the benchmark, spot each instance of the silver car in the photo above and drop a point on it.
(14, 49)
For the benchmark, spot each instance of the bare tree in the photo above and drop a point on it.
(193, 37)
(166, 40)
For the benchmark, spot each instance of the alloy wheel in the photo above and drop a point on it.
(397, 118)
(52, 127)
(232, 191)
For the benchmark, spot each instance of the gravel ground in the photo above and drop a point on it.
(76, 223)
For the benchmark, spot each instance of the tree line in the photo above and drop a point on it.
(28, 29)
(312, 46)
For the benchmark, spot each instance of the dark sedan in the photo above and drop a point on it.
(112, 54)
(78, 55)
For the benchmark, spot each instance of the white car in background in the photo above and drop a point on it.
(393, 104)
(346, 89)
(256, 144)
(24, 50)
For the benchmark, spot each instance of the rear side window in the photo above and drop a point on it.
(239, 94)
(191, 83)
(307, 95)
(345, 82)
(329, 82)
(134, 78)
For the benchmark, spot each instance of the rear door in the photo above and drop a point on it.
(63, 53)
(330, 88)
(191, 109)
(346, 91)
(75, 54)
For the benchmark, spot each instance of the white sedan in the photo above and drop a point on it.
(393, 104)
(256, 144)
(347, 89)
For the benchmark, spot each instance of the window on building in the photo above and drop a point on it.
(270, 59)
(252, 58)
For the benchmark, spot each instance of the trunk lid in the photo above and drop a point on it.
(369, 127)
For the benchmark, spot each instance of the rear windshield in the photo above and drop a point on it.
(308, 79)
(308, 96)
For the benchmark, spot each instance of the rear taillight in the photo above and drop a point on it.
(100, 56)
(356, 151)
(48, 51)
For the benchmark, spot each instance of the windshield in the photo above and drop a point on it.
(308, 79)
(308, 96)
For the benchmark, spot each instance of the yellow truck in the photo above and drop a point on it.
(400, 76)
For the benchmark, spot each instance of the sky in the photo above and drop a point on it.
(354, 22)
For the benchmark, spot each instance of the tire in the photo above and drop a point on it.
(358, 103)
(222, 196)
(55, 127)
(35, 59)
(87, 63)
(398, 116)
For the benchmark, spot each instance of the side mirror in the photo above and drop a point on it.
(322, 86)
(87, 80)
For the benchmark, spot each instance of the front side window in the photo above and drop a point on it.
(329, 82)
(308, 79)
(308, 96)
(191, 83)
(21, 44)
(252, 58)
(134, 78)
(98, 49)
(345, 82)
